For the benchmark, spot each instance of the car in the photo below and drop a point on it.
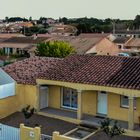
(124, 54)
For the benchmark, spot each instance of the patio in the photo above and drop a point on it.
(49, 125)
(88, 119)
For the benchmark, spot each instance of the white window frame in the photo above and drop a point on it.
(66, 107)
(127, 106)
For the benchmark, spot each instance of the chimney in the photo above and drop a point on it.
(35, 36)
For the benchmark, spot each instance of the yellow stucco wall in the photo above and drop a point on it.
(117, 112)
(54, 96)
(25, 95)
(28, 95)
(28, 133)
(89, 102)
(8, 106)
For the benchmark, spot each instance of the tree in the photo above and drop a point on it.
(30, 18)
(1, 52)
(58, 49)
(6, 19)
(28, 113)
(137, 22)
(113, 131)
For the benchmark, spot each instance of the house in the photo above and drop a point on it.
(78, 88)
(127, 33)
(109, 36)
(60, 29)
(21, 45)
(121, 41)
(133, 45)
(89, 44)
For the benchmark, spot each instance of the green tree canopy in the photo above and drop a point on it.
(58, 49)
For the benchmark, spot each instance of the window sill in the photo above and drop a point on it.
(127, 107)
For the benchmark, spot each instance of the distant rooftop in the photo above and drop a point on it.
(94, 35)
(28, 40)
(134, 42)
(121, 40)
(127, 32)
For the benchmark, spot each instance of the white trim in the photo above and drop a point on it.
(127, 106)
(40, 97)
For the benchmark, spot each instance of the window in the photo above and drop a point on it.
(120, 46)
(125, 102)
(69, 98)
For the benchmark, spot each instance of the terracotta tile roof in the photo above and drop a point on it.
(9, 35)
(112, 71)
(26, 71)
(80, 44)
(25, 40)
(134, 42)
(94, 35)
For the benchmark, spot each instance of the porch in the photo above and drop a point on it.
(74, 106)
(71, 116)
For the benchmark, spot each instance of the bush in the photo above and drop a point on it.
(115, 130)
(58, 49)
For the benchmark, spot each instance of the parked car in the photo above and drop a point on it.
(124, 54)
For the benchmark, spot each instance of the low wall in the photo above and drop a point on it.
(28, 133)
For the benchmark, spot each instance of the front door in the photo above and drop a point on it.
(43, 97)
(102, 103)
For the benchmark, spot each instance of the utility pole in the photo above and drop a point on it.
(113, 23)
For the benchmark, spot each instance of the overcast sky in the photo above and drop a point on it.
(123, 9)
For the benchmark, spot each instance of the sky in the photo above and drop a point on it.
(123, 9)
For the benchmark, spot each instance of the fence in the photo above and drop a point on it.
(9, 133)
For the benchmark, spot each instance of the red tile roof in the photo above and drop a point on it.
(27, 71)
(112, 71)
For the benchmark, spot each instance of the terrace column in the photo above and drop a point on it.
(38, 97)
(79, 111)
(131, 113)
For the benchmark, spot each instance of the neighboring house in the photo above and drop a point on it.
(127, 33)
(4, 36)
(121, 41)
(14, 27)
(65, 30)
(109, 36)
(77, 88)
(21, 45)
(90, 44)
(133, 45)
